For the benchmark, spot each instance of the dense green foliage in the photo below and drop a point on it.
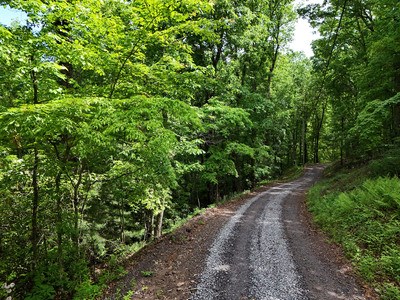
(362, 212)
(358, 59)
(120, 118)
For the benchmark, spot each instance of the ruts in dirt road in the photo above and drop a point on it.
(264, 253)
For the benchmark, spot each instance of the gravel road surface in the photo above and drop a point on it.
(262, 245)
(264, 253)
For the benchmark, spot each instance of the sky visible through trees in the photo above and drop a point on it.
(120, 118)
(302, 38)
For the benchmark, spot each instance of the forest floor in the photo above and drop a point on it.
(241, 250)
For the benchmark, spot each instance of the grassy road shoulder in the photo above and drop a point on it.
(360, 209)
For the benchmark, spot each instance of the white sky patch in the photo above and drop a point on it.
(8, 15)
(304, 34)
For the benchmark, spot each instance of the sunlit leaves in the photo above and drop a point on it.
(224, 120)
(371, 125)
(359, 60)
(118, 110)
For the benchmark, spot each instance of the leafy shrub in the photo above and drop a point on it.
(41, 290)
(87, 290)
(386, 166)
(390, 263)
(390, 292)
(367, 267)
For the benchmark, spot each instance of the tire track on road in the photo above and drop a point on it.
(251, 258)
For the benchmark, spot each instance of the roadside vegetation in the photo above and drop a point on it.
(360, 209)
(120, 118)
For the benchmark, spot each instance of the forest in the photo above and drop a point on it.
(120, 118)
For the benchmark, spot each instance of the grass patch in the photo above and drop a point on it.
(292, 173)
(180, 221)
(363, 215)
(147, 273)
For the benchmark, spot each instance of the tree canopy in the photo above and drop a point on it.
(119, 118)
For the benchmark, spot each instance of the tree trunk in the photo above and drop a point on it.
(217, 57)
(76, 208)
(320, 122)
(341, 141)
(149, 225)
(303, 148)
(316, 149)
(35, 85)
(122, 220)
(35, 206)
(59, 222)
(160, 219)
(276, 16)
(35, 183)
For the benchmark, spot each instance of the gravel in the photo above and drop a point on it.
(217, 264)
(263, 245)
(252, 258)
(273, 269)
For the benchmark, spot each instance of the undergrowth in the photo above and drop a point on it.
(171, 224)
(360, 209)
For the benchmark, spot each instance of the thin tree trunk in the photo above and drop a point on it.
(149, 225)
(76, 208)
(316, 149)
(35, 207)
(341, 141)
(160, 219)
(303, 148)
(59, 222)
(217, 57)
(35, 182)
(35, 85)
(274, 15)
(125, 60)
(122, 218)
(318, 134)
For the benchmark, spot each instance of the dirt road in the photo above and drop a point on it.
(254, 257)
(259, 248)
